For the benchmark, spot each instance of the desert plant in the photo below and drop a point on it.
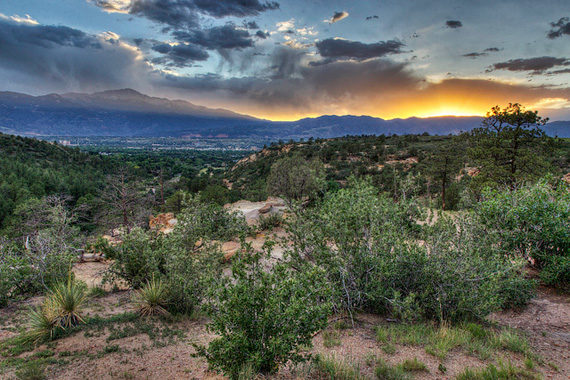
(151, 299)
(41, 325)
(67, 299)
(263, 316)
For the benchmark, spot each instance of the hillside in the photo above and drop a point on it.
(384, 159)
(129, 113)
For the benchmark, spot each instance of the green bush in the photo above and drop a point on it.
(269, 222)
(263, 317)
(533, 222)
(137, 259)
(369, 247)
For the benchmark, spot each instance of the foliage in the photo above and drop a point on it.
(269, 222)
(263, 317)
(137, 258)
(385, 371)
(532, 221)
(151, 299)
(505, 371)
(345, 236)
(41, 254)
(368, 247)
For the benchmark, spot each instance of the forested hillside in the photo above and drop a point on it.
(386, 160)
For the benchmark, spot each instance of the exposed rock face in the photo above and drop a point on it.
(265, 209)
(163, 222)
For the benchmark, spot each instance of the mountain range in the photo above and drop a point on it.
(128, 113)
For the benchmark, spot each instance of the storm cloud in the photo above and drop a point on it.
(332, 48)
(559, 28)
(178, 14)
(60, 58)
(180, 55)
(537, 65)
(218, 37)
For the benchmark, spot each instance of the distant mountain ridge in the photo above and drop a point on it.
(128, 113)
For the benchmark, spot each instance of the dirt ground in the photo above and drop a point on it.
(147, 354)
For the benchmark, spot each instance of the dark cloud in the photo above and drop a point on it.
(173, 13)
(374, 17)
(237, 8)
(475, 55)
(454, 24)
(337, 16)
(251, 25)
(180, 55)
(46, 36)
(559, 28)
(356, 87)
(483, 53)
(537, 65)
(177, 14)
(339, 49)
(57, 58)
(261, 34)
(218, 37)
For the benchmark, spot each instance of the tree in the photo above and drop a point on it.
(123, 202)
(510, 146)
(295, 178)
(444, 163)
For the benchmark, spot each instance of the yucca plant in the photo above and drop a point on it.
(152, 298)
(41, 323)
(67, 300)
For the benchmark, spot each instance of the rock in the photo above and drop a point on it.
(265, 209)
(229, 249)
(163, 222)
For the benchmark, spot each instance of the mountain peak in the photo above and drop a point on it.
(121, 92)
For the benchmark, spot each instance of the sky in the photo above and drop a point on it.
(289, 59)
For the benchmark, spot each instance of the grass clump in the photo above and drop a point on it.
(151, 299)
(330, 367)
(413, 365)
(385, 371)
(502, 372)
(269, 222)
(331, 338)
(31, 371)
(439, 341)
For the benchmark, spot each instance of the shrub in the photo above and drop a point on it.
(137, 259)
(269, 222)
(151, 299)
(263, 317)
(532, 221)
(347, 235)
(368, 247)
